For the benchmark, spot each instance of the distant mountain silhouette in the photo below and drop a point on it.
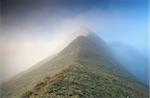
(86, 68)
(134, 61)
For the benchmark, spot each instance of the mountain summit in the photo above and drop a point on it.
(84, 31)
(86, 68)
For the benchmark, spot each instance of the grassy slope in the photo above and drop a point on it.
(26, 81)
(82, 81)
(96, 66)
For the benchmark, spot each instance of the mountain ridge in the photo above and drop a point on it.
(87, 56)
(130, 57)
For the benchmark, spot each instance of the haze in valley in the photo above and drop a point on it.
(33, 30)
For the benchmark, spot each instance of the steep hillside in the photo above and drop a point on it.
(132, 59)
(84, 69)
(82, 81)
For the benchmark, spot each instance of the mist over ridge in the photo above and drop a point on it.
(31, 30)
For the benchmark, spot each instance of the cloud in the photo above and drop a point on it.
(30, 35)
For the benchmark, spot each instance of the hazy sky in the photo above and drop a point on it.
(34, 29)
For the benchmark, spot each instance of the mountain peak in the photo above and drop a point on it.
(84, 31)
(85, 68)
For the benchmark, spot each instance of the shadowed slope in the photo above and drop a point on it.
(133, 60)
(87, 61)
(82, 81)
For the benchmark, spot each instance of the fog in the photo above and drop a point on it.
(33, 31)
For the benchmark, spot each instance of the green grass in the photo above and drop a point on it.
(85, 82)
(84, 69)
